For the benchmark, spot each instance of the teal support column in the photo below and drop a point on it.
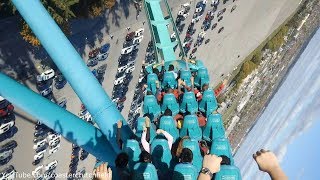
(61, 121)
(73, 68)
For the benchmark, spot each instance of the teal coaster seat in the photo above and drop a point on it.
(209, 103)
(151, 82)
(139, 128)
(144, 171)
(214, 128)
(167, 124)
(161, 155)
(191, 128)
(185, 75)
(221, 146)
(185, 171)
(202, 77)
(170, 102)
(132, 148)
(228, 172)
(193, 145)
(151, 106)
(169, 81)
(189, 103)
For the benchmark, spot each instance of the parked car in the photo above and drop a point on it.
(41, 148)
(53, 136)
(51, 165)
(104, 52)
(215, 2)
(8, 173)
(54, 142)
(221, 29)
(60, 81)
(220, 18)
(93, 55)
(233, 8)
(137, 40)
(8, 146)
(84, 155)
(41, 127)
(48, 74)
(39, 155)
(92, 62)
(214, 26)
(37, 172)
(41, 132)
(6, 107)
(130, 69)
(5, 157)
(127, 50)
(6, 126)
(40, 138)
(139, 32)
(130, 36)
(54, 150)
(62, 102)
(119, 81)
(40, 143)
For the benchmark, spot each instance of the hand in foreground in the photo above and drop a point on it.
(159, 131)
(119, 124)
(212, 162)
(268, 162)
(147, 122)
(102, 172)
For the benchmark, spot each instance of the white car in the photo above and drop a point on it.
(201, 34)
(51, 165)
(130, 69)
(4, 155)
(139, 32)
(214, 2)
(138, 110)
(8, 173)
(185, 5)
(40, 144)
(6, 126)
(119, 80)
(204, 1)
(48, 74)
(53, 136)
(115, 100)
(122, 68)
(127, 50)
(199, 9)
(39, 155)
(181, 12)
(37, 171)
(54, 150)
(173, 36)
(54, 142)
(137, 40)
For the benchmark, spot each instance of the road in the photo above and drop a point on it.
(245, 28)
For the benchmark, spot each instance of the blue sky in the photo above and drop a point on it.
(303, 155)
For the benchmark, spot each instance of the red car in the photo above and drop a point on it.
(130, 36)
(94, 53)
(5, 107)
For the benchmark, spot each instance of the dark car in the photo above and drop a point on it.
(233, 8)
(36, 162)
(105, 48)
(92, 62)
(60, 81)
(5, 108)
(221, 29)
(94, 53)
(41, 132)
(74, 160)
(127, 44)
(220, 18)
(8, 146)
(8, 118)
(41, 127)
(84, 155)
(122, 63)
(214, 26)
(102, 69)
